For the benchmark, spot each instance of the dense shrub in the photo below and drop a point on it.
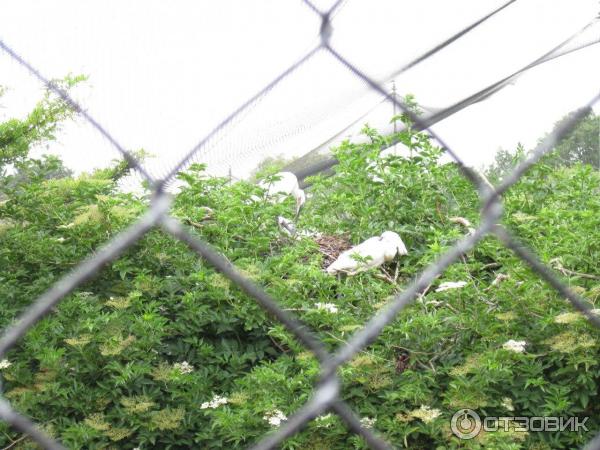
(144, 354)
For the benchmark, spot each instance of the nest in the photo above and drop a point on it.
(331, 246)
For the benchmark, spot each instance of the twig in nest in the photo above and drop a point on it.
(331, 247)
(384, 276)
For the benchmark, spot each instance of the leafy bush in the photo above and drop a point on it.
(160, 351)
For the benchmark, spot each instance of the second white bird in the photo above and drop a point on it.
(372, 253)
(285, 184)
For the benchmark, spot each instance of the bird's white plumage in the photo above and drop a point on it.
(284, 184)
(371, 253)
(288, 227)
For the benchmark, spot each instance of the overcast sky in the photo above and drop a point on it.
(163, 74)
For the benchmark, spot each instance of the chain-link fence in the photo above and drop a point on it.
(327, 393)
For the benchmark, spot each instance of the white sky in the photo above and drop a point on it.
(163, 74)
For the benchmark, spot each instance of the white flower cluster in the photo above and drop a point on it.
(215, 402)
(508, 404)
(426, 413)
(324, 420)
(515, 346)
(570, 317)
(367, 422)
(450, 285)
(5, 363)
(329, 307)
(275, 417)
(184, 367)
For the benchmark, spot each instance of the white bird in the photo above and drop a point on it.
(282, 185)
(289, 228)
(371, 253)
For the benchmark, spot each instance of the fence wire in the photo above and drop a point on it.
(436, 115)
(327, 395)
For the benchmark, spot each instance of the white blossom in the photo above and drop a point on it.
(323, 421)
(5, 363)
(274, 417)
(71, 225)
(324, 417)
(515, 346)
(426, 413)
(184, 367)
(215, 402)
(450, 285)
(329, 307)
(568, 317)
(507, 403)
(367, 422)
(60, 240)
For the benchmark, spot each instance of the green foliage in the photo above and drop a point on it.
(120, 168)
(160, 351)
(19, 136)
(582, 145)
(505, 162)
